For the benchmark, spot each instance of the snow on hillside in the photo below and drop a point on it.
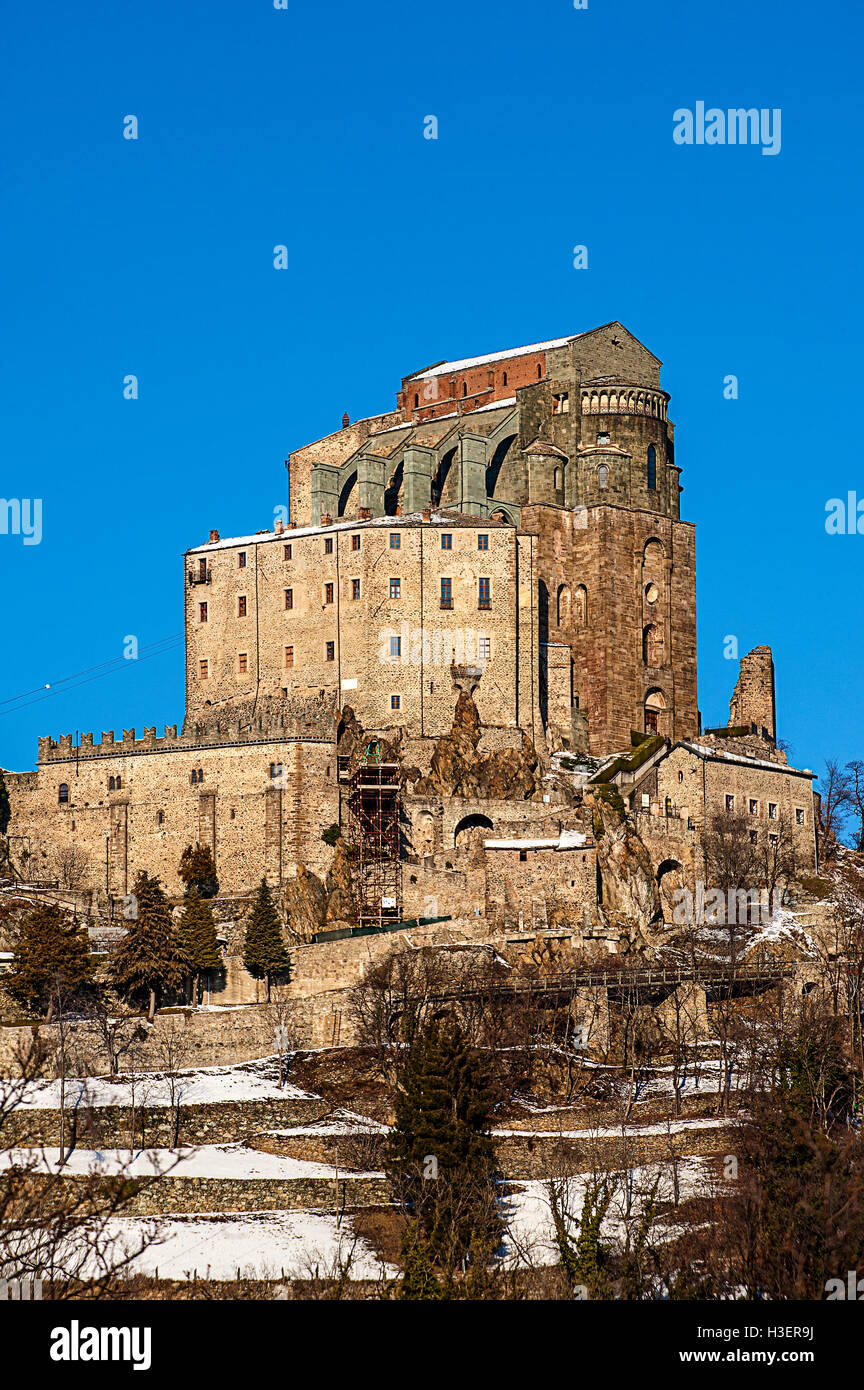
(234, 1161)
(205, 1086)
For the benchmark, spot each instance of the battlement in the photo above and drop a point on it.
(267, 719)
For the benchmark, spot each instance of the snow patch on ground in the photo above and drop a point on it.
(233, 1161)
(204, 1086)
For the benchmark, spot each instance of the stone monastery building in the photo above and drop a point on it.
(510, 533)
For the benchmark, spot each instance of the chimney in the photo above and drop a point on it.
(426, 514)
(364, 513)
(214, 536)
(345, 421)
(326, 519)
(279, 527)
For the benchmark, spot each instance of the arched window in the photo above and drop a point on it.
(464, 388)
(63, 794)
(194, 777)
(200, 774)
(652, 645)
(655, 704)
(539, 370)
(580, 609)
(563, 605)
(559, 479)
(652, 468)
(416, 399)
(505, 379)
(110, 784)
(602, 477)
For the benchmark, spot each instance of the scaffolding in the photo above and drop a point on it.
(374, 807)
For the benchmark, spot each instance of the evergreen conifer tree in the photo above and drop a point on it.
(440, 1152)
(198, 870)
(264, 953)
(51, 952)
(149, 959)
(197, 937)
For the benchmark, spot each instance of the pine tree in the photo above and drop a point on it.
(440, 1152)
(264, 953)
(149, 959)
(198, 870)
(197, 937)
(51, 953)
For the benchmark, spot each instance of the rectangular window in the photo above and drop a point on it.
(242, 662)
(395, 588)
(289, 656)
(773, 839)
(446, 593)
(289, 598)
(754, 837)
(241, 560)
(328, 545)
(561, 404)
(484, 595)
(331, 651)
(395, 701)
(395, 540)
(754, 806)
(241, 606)
(202, 612)
(799, 816)
(730, 803)
(328, 593)
(205, 670)
(355, 588)
(772, 810)
(395, 646)
(446, 540)
(355, 542)
(288, 552)
(484, 648)
(482, 541)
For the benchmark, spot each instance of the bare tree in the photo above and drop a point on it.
(71, 865)
(834, 799)
(855, 770)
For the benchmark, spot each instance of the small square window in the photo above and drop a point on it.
(242, 662)
(754, 806)
(395, 588)
(772, 810)
(241, 606)
(730, 803)
(355, 588)
(395, 701)
(446, 540)
(754, 837)
(523, 856)
(289, 656)
(328, 593)
(395, 540)
(241, 560)
(289, 598)
(204, 670)
(330, 651)
(482, 541)
(773, 839)
(328, 545)
(355, 542)
(287, 552)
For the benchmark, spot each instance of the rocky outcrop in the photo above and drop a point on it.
(630, 895)
(458, 769)
(313, 905)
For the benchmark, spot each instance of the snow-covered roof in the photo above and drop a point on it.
(390, 523)
(703, 751)
(445, 368)
(568, 839)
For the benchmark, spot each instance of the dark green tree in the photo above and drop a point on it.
(440, 1154)
(197, 936)
(198, 870)
(149, 960)
(51, 957)
(5, 811)
(264, 953)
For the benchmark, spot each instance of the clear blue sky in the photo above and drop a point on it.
(304, 127)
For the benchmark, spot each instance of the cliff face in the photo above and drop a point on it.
(630, 894)
(314, 905)
(458, 769)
